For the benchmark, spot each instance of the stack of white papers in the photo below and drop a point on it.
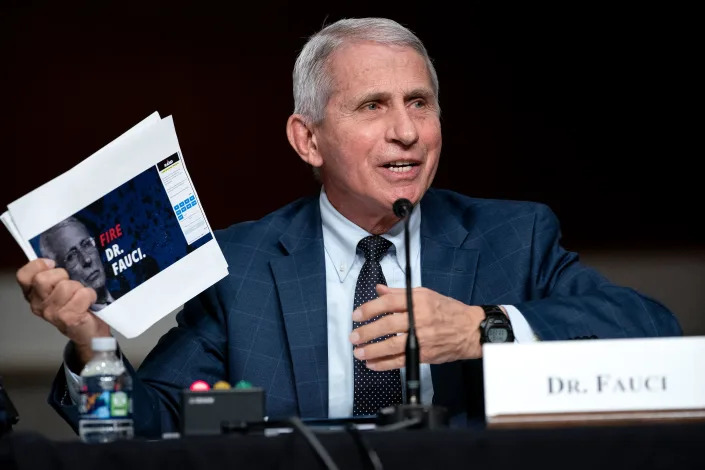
(126, 221)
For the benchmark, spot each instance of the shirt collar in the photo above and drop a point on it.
(341, 236)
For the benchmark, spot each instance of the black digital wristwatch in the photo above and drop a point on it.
(496, 327)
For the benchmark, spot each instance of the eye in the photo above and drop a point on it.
(418, 104)
(371, 106)
(87, 243)
(71, 257)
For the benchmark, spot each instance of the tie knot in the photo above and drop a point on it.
(374, 247)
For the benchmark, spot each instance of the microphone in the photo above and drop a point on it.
(402, 209)
(411, 414)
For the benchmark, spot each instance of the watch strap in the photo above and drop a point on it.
(493, 310)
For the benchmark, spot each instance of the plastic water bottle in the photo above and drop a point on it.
(106, 396)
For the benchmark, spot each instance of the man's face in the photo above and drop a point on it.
(380, 139)
(76, 252)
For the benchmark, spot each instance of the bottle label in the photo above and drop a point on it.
(104, 398)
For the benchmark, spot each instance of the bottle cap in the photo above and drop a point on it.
(105, 343)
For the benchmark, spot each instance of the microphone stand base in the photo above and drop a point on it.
(426, 416)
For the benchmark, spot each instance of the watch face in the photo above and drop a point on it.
(497, 335)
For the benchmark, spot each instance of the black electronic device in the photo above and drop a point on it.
(207, 412)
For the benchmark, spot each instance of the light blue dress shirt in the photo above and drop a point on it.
(343, 265)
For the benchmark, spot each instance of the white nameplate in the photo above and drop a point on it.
(595, 380)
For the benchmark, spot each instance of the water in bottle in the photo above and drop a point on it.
(106, 396)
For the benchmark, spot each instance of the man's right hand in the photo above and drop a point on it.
(63, 303)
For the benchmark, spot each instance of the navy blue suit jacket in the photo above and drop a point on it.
(266, 321)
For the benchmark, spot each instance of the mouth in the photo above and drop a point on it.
(93, 276)
(401, 166)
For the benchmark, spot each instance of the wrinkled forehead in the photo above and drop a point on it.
(363, 63)
(68, 236)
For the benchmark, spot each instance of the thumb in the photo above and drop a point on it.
(50, 263)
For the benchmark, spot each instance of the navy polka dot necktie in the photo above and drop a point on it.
(373, 389)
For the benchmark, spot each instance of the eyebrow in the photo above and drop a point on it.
(424, 93)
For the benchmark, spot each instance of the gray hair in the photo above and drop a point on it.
(313, 82)
(45, 246)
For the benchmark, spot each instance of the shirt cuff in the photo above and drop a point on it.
(73, 381)
(522, 331)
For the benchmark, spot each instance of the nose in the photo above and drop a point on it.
(402, 127)
(85, 258)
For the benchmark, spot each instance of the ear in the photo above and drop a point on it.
(303, 140)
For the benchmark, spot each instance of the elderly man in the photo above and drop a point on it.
(294, 314)
(71, 247)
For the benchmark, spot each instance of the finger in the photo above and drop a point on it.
(396, 361)
(27, 272)
(74, 313)
(44, 282)
(82, 300)
(56, 302)
(383, 289)
(389, 347)
(77, 322)
(64, 291)
(392, 302)
(386, 325)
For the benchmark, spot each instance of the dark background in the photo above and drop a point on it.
(586, 107)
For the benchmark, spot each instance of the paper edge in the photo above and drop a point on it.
(156, 307)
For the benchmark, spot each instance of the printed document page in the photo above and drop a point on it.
(136, 231)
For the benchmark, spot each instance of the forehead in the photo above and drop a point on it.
(68, 236)
(362, 67)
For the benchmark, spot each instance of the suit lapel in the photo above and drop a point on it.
(446, 267)
(301, 284)
(449, 269)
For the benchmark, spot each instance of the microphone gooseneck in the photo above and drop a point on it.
(412, 414)
(402, 209)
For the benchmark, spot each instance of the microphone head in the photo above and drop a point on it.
(402, 207)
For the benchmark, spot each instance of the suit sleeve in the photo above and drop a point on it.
(194, 349)
(570, 300)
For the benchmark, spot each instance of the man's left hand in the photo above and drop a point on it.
(447, 330)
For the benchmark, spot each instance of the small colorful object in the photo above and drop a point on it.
(221, 385)
(200, 386)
